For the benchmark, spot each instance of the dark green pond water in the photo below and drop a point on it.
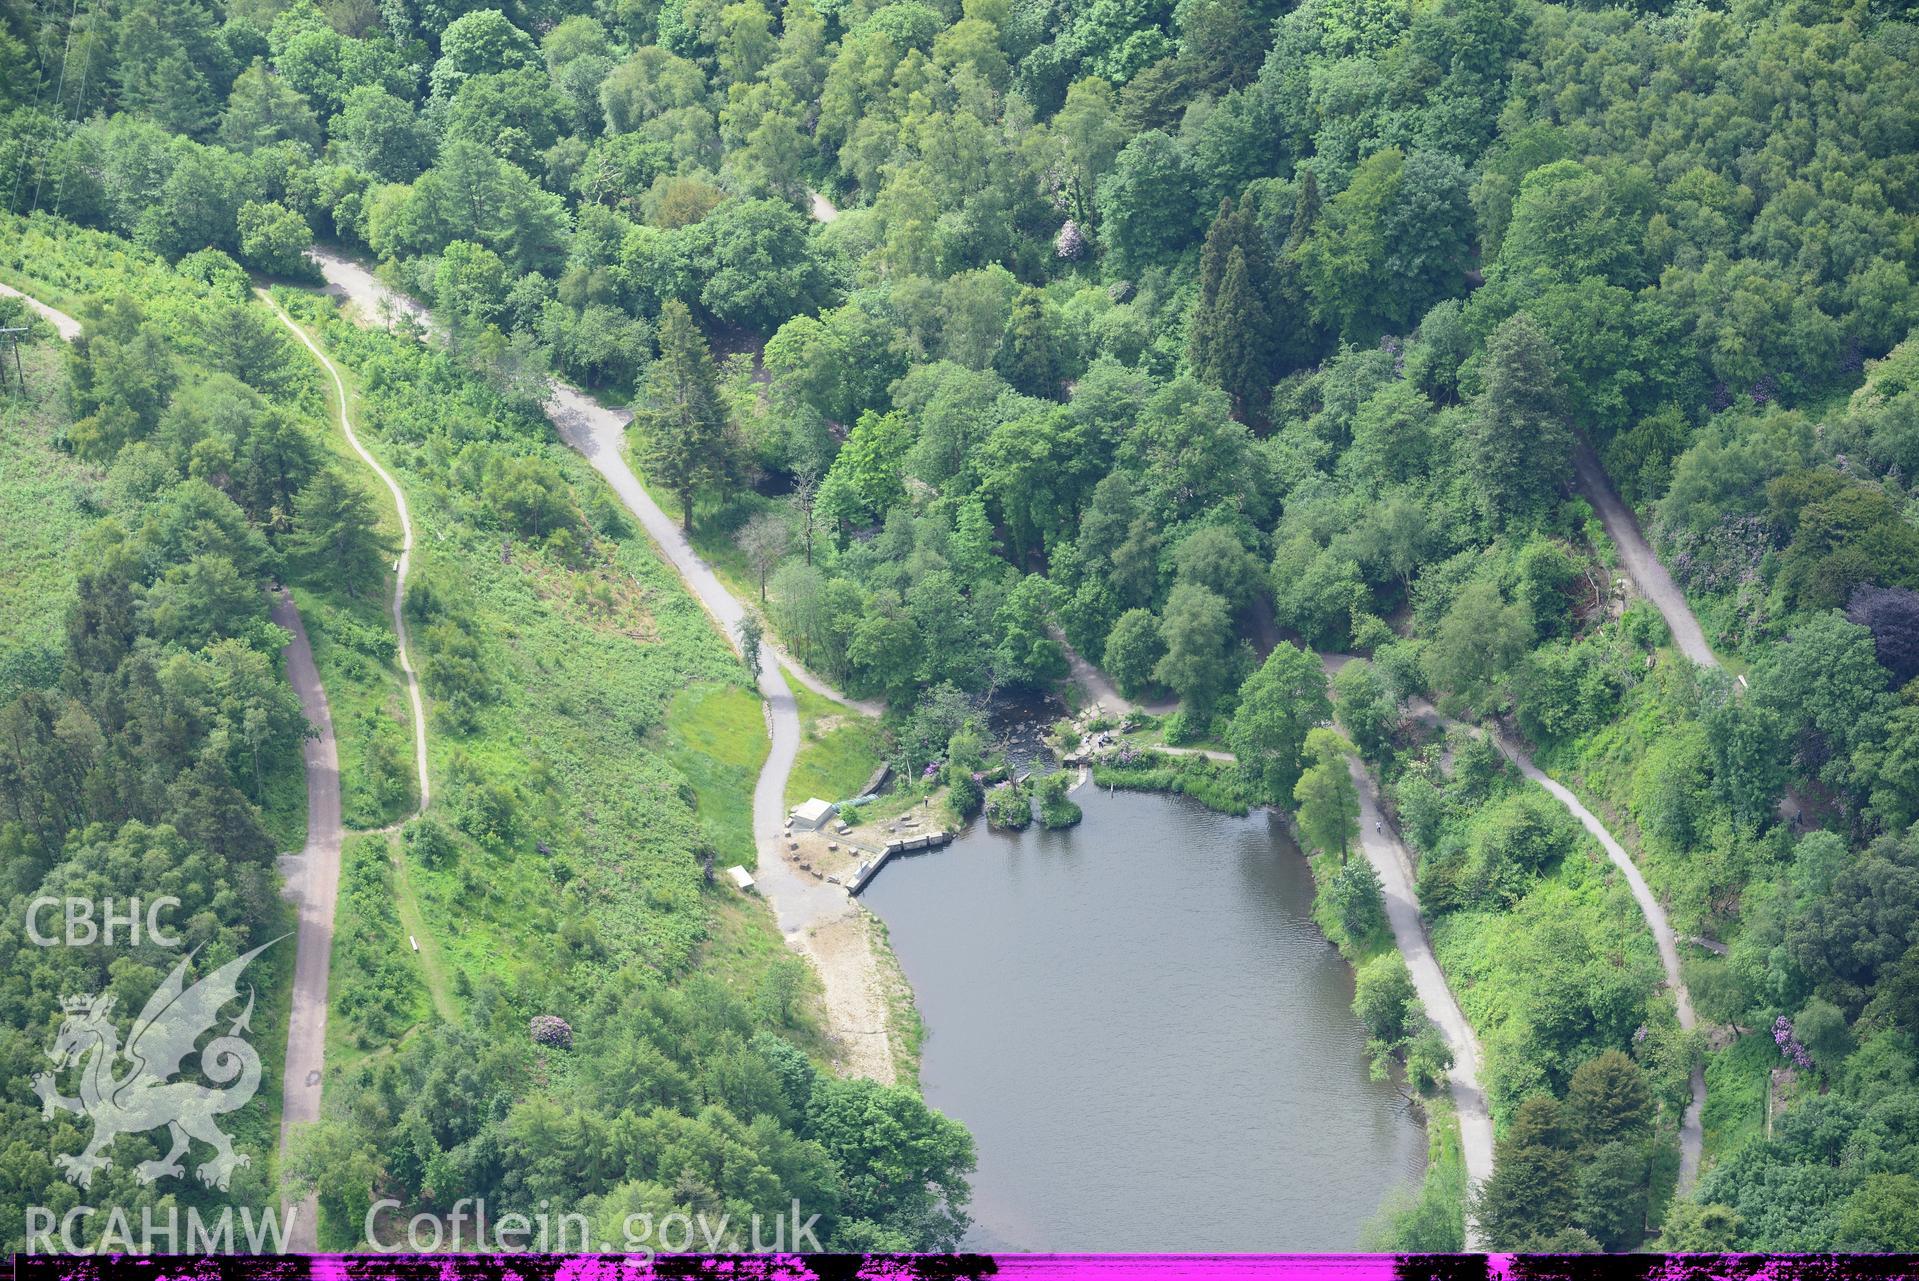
(1151, 1042)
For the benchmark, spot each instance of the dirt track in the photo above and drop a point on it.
(66, 326)
(820, 921)
(317, 887)
(313, 883)
(1636, 556)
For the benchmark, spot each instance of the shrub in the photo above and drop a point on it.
(1403, 665)
(1428, 1060)
(964, 793)
(1217, 787)
(1056, 809)
(551, 1030)
(274, 239)
(1383, 998)
(428, 841)
(1009, 807)
(1182, 727)
(1357, 900)
(1370, 632)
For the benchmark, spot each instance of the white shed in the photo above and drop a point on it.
(741, 878)
(813, 814)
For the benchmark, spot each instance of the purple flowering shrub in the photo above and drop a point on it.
(1070, 243)
(1789, 1044)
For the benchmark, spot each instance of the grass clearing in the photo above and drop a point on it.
(1738, 1079)
(715, 735)
(48, 499)
(609, 733)
(1579, 912)
(376, 995)
(840, 747)
(406, 902)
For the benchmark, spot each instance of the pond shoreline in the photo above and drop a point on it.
(1237, 978)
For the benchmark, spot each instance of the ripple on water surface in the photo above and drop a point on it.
(1151, 1042)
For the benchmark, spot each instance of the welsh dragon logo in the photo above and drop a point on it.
(144, 1096)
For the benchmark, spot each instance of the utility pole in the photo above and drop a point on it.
(11, 337)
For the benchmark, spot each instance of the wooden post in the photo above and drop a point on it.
(12, 337)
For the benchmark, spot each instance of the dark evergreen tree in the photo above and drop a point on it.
(682, 424)
(335, 534)
(1607, 1101)
(1231, 336)
(1892, 615)
(158, 77)
(1028, 358)
(1518, 441)
(1531, 1194)
(1613, 1192)
(1297, 342)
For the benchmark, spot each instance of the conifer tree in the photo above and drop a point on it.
(1517, 439)
(334, 532)
(1230, 340)
(157, 75)
(1027, 358)
(1530, 1196)
(1243, 363)
(684, 441)
(1297, 342)
(1305, 214)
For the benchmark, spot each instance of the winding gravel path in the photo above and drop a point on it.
(1649, 575)
(66, 326)
(312, 877)
(1393, 861)
(819, 920)
(319, 884)
(401, 567)
(1636, 555)
(1691, 1126)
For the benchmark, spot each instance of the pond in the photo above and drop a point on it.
(1148, 1037)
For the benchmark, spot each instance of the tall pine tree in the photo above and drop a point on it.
(1297, 341)
(685, 444)
(1243, 364)
(158, 76)
(1231, 337)
(1517, 438)
(1027, 359)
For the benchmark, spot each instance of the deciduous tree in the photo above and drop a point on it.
(1278, 705)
